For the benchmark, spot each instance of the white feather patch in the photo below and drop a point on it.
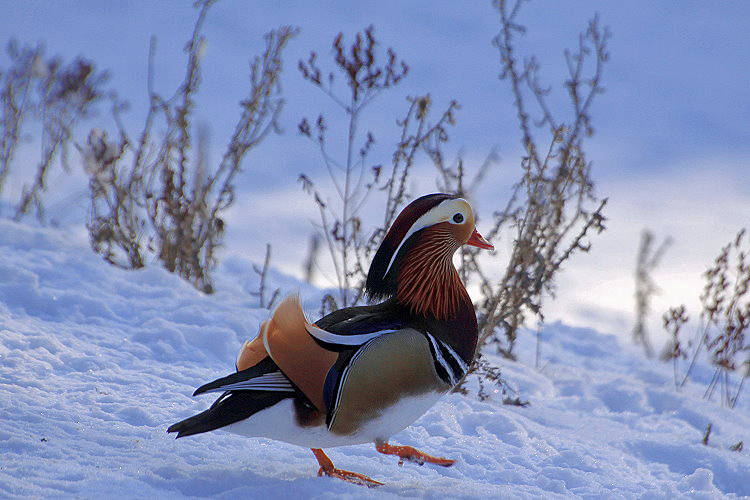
(274, 381)
(333, 338)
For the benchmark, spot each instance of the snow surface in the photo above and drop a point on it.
(96, 362)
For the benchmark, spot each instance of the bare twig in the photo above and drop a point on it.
(262, 273)
(353, 177)
(706, 434)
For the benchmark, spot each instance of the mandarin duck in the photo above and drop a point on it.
(361, 374)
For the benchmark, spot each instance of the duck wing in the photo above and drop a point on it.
(245, 393)
(352, 327)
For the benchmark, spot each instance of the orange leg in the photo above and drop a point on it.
(327, 468)
(411, 454)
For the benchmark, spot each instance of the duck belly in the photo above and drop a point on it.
(279, 422)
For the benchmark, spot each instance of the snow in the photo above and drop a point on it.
(96, 362)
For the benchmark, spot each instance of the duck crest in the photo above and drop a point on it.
(381, 281)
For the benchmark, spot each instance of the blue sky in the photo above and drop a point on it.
(672, 139)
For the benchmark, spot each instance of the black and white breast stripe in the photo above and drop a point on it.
(448, 364)
(274, 381)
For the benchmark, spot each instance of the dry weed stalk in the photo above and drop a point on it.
(725, 318)
(262, 273)
(674, 320)
(645, 288)
(553, 208)
(153, 195)
(490, 377)
(354, 177)
(706, 434)
(726, 315)
(58, 97)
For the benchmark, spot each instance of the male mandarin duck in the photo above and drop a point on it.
(364, 373)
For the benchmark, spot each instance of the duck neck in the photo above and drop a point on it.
(428, 284)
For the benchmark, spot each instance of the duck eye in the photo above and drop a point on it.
(458, 218)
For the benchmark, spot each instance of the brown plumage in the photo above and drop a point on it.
(428, 283)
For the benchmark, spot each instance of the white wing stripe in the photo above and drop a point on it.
(275, 381)
(333, 338)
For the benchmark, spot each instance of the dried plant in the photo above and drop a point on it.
(154, 195)
(726, 315)
(674, 320)
(725, 318)
(354, 177)
(553, 209)
(645, 288)
(312, 258)
(47, 92)
(262, 273)
(491, 382)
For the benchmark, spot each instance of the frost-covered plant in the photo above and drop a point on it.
(48, 92)
(156, 194)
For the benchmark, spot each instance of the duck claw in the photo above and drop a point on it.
(327, 468)
(350, 477)
(412, 455)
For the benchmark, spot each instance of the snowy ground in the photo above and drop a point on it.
(96, 362)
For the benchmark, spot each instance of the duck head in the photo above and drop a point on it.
(415, 260)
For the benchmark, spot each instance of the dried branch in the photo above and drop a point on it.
(725, 317)
(366, 75)
(167, 200)
(553, 207)
(262, 273)
(55, 95)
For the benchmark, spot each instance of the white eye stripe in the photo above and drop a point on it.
(442, 212)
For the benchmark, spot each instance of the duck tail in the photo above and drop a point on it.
(289, 316)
